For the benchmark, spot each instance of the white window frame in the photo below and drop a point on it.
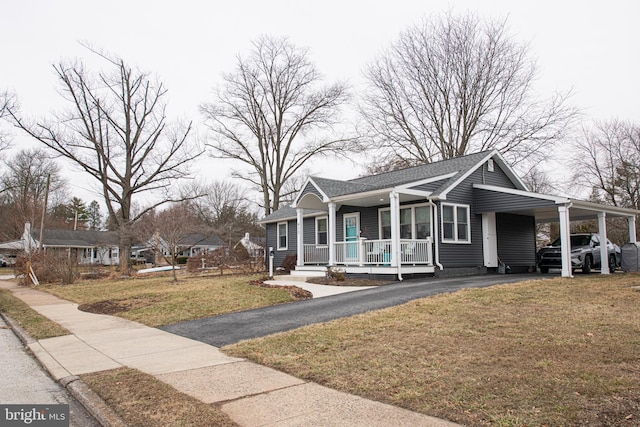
(413, 218)
(455, 207)
(286, 235)
(320, 218)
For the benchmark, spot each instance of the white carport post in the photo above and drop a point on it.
(300, 237)
(565, 240)
(632, 229)
(604, 249)
(332, 234)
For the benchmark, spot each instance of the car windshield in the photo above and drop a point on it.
(575, 241)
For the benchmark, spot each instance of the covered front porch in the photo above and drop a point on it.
(387, 250)
(370, 256)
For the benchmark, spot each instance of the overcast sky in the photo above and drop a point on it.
(591, 47)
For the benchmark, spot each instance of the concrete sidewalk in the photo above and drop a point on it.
(251, 394)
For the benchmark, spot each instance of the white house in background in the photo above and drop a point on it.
(188, 245)
(87, 246)
(253, 247)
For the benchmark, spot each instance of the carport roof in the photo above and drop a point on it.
(543, 207)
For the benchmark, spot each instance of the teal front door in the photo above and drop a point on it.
(351, 227)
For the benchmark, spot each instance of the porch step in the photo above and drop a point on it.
(308, 272)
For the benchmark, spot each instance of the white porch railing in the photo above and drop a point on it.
(371, 252)
(316, 254)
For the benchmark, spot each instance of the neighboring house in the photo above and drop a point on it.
(194, 244)
(189, 245)
(87, 246)
(255, 246)
(466, 215)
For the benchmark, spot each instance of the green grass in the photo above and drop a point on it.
(561, 352)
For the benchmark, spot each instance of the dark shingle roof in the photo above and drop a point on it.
(201, 240)
(334, 188)
(76, 238)
(458, 165)
(285, 213)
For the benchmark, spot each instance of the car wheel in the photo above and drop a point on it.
(612, 263)
(544, 270)
(586, 267)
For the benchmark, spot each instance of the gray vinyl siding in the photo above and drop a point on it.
(497, 177)
(493, 201)
(310, 188)
(516, 239)
(272, 241)
(308, 230)
(468, 254)
(368, 221)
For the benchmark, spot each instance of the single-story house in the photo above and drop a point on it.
(254, 246)
(465, 215)
(189, 245)
(88, 246)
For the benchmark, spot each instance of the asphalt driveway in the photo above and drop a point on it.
(234, 327)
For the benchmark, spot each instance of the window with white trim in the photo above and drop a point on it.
(415, 222)
(283, 236)
(321, 230)
(455, 223)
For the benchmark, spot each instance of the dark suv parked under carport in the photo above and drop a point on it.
(585, 254)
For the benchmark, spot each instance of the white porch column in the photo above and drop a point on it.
(300, 237)
(394, 204)
(565, 240)
(604, 250)
(632, 229)
(332, 233)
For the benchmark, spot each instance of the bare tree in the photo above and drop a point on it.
(7, 101)
(607, 161)
(116, 130)
(225, 208)
(23, 186)
(167, 231)
(271, 115)
(455, 85)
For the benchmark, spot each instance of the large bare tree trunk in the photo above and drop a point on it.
(116, 131)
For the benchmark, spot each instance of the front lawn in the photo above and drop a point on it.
(560, 352)
(157, 301)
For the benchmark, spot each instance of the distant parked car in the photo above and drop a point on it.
(585, 254)
(3, 263)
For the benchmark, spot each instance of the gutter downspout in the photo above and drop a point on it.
(436, 240)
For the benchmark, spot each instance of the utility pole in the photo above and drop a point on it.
(44, 211)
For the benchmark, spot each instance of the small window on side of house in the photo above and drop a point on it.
(282, 236)
(321, 230)
(455, 224)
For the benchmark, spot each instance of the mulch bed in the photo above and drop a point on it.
(295, 292)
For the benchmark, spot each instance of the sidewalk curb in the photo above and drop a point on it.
(93, 403)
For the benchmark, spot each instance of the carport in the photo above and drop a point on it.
(547, 208)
